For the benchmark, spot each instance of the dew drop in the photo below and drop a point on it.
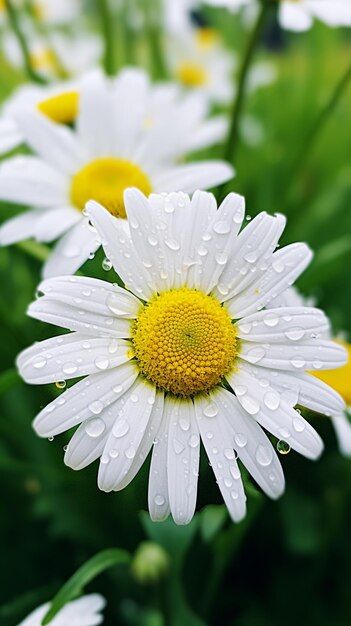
(240, 440)
(194, 441)
(39, 363)
(283, 447)
(264, 455)
(271, 400)
(120, 428)
(94, 427)
(50, 438)
(295, 334)
(130, 453)
(96, 407)
(69, 368)
(102, 362)
(159, 500)
(229, 454)
(211, 410)
(60, 384)
(106, 264)
(221, 227)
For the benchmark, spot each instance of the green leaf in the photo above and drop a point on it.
(75, 585)
(8, 378)
(212, 518)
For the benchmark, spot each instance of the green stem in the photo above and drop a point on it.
(239, 99)
(315, 130)
(154, 33)
(22, 42)
(107, 28)
(37, 250)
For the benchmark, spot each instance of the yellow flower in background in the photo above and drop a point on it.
(340, 378)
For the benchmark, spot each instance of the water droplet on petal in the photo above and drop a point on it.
(283, 447)
(271, 400)
(102, 362)
(106, 264)
(211, 410)
(120, 428)
(264, 455)
(159, 500)
(69, 368)
(240, 440)
(60, 384)
(96, 407)
(94, 427)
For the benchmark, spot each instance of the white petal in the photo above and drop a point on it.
(210, 258)
(252, 445)
(89, 440)
(271, 410)
(342, 427)
(78, 318)
(53, 142)
(10, 137)
(210, 132)
(86, 399)
(109, 119)
(332, 12)
(30, 181)
(20, 227)
(72, 250)
(294, 17)
(304, 389)
(284, 324)
(126, 434)
(81, 612)
(55, 222)
(147, 441)
(158, 498)
(217, 438)
(285, 267)
(188, 177)
(315, 354)
(70, 356)
(250, 255)
(182, 458)
(119, 249)
(91, 294)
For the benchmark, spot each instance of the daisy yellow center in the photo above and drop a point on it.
(340, 378)
(44, 60)
(191, 74)
(184, 341)
(105, 180)
(206, 38)
(62, 108)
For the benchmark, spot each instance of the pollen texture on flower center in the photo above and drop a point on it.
(61, 108)
(184, 341)
(104, 180)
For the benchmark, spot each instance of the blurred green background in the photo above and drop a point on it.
(289, 561)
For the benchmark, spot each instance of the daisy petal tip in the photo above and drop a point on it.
(94, 208)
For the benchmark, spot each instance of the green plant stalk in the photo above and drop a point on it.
(87, 572)
(38, 251)
(315, 130)
(22, 42)
(107, 29)
(154, 35)
(239, 99)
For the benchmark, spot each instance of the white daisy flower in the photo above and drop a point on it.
(199, 61)
(86, 611)
(53, 13)
(339, 378)
(298, 15)
(56, 55)
(186, 351)
(118, 142)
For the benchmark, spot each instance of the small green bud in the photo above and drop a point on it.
(150, 563)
